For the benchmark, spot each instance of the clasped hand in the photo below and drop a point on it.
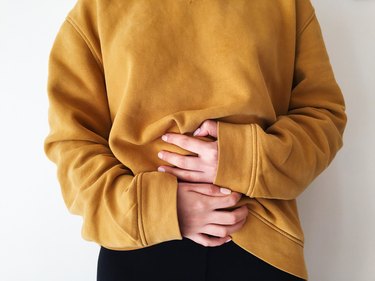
(201, 168)
(199, 201)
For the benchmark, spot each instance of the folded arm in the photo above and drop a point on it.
(279, 162)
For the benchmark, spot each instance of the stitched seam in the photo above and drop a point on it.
(307, 23)
(254, 168)
(274, 227)
(253, 158)
(87, 41)
(218, 151)
(140, 218)
(249, 191)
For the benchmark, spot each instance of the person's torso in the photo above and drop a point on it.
(171, 64)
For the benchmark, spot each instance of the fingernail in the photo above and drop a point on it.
(196, 131)
(230, 239)
(164, 137)
(161, 169)
(225, 190)
(160, 155)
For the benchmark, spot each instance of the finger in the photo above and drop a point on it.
(209, 189)
(222, 230)
(208, 127)
(186, 142)
(228, 217)
(182, 161)
(208, 241)
(184, 175)
(224, 202)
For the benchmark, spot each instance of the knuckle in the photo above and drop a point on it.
(188, 176)
(211, 152)
(237, 196)
(241, 220)
(211, 189)
(199, 205)
(183, 141)
(231, 200)
(206, 205)
(210, 157)
(209, 123)
(240, 214)
(180, 161)
(166, 155)
(204, 124)
(171, 138)
(233, 218)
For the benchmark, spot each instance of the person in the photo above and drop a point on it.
(183, 132)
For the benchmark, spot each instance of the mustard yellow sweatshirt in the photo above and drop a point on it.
(123, 73)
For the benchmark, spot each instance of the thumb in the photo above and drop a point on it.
(208, 127)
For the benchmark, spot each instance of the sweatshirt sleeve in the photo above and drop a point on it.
(280, 161)
(120, 210)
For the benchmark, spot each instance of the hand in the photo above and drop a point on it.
(199, 217)
(201, 168)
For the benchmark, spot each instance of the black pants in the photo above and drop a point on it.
(185, 260)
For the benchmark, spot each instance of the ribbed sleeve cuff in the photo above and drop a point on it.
(157, 215)
(237, 157)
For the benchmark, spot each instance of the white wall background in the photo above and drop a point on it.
(40, 239)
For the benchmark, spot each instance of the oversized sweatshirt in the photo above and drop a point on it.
(124, 72)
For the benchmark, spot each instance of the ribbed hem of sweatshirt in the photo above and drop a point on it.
(236, 163)
(157, 216)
